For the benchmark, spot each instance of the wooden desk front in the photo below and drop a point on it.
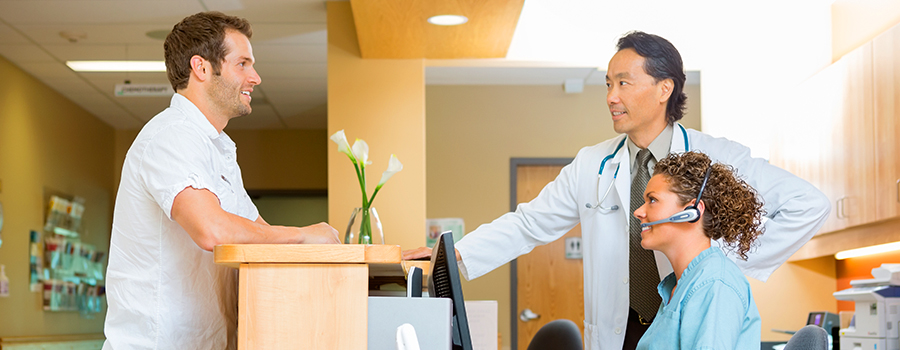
(294, 296)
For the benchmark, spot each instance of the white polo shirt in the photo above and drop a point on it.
(165, 292)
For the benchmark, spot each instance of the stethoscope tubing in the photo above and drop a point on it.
(616, 174)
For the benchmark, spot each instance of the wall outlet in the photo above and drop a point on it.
(573, 248)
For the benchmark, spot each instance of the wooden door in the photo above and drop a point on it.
(546, 282)
(886, 71)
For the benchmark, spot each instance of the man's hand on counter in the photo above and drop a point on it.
(320, 233)
(422, 253)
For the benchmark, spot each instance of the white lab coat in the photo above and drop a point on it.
(795, 211)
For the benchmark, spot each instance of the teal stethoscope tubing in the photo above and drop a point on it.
(616, 174)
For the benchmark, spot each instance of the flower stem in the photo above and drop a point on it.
(373, 194)
(361, 176)
(365, 228)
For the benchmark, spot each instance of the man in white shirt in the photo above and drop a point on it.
(181, 194)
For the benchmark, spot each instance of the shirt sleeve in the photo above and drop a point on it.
(175, 158)
(712, 317)
(546, 218)
(795, 209)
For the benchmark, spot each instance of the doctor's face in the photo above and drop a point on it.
(636, 101)
(659, 203)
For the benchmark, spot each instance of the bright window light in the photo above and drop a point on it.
(875, 249)
(448, 20)
(117, 66)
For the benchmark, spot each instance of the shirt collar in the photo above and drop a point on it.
(659, 148)
(667, 284)
(194, 115)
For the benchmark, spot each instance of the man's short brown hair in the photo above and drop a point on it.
(202, 34)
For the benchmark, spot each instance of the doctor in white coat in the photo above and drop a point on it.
(594, 190)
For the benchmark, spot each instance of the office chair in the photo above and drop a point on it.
(810, 337)
(558, 335)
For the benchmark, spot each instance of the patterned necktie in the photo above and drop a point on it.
(641, 263)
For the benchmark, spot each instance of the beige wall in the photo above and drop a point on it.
(854, 22)
(47, 143)
(382, 102)
(473, 131)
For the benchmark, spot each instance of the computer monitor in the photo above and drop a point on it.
(444, 283)
(823, 319)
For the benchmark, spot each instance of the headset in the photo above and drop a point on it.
(689, 214)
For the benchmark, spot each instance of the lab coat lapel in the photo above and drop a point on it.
(623, 181)
(678, 139)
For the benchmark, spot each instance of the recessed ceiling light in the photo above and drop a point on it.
(117, 66)
(448, 20)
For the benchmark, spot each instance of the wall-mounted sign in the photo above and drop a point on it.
(143, 90)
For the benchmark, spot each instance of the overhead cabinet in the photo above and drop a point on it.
(886, 65)
(842, 134)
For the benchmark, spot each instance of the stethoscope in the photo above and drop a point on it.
(607, 210)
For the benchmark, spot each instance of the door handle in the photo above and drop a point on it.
(837, 210)
(898, 190)
(528, 315)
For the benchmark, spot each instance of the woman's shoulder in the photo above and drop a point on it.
(714, 267)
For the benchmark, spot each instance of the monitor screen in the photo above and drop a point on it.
(815, 318)
(444, 283)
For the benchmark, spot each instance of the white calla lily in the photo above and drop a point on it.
(394, 166)
(343, 146)
(361, 152)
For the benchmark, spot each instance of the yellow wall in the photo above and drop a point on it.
(382, 102)
(282, 159)
(47, 143)
(270, 159)
(792, 292)
(855, 22)
(472, 133)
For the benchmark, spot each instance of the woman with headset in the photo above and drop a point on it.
(707, 302)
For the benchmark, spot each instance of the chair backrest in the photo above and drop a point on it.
(810, 337)
(557, 335)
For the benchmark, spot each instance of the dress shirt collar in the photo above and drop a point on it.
(194, 115)
(659, 148)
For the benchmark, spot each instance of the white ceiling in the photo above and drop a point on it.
(289, 43)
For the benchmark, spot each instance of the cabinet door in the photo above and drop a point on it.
(886, 66)
(857, 205)
(807, 135)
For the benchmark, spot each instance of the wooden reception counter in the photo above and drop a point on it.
(307, 296)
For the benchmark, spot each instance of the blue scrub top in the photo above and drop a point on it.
(712, 308)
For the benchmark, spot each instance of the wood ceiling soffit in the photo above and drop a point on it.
(399, 29)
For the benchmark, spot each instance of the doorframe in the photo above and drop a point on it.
(513, 279)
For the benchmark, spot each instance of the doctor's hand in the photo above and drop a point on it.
(320, 233)
(422, 253)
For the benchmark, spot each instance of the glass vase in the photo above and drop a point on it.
(364, 228)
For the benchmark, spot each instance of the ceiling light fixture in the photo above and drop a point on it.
(875, 249)
(117, 66)
(448, 20)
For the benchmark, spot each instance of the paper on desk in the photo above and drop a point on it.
(482, 316)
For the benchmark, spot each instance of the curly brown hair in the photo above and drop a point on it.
(733, 210)
(201, 34)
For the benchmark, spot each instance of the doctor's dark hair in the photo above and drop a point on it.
(661, 61)
(201, 34)
(733, 210)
